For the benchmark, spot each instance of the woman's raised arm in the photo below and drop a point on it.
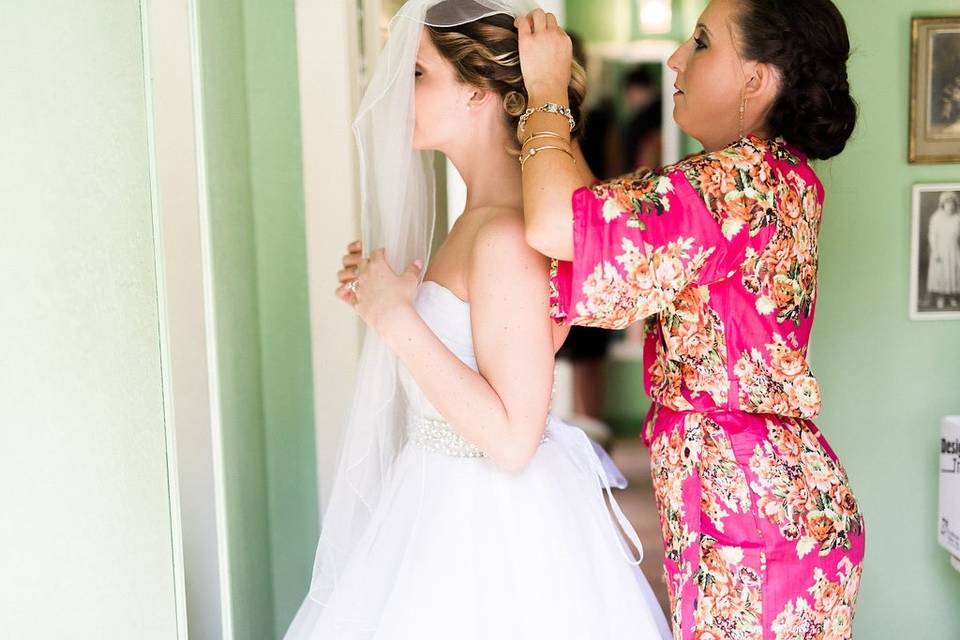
(550, 176)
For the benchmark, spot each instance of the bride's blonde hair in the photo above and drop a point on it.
(485, 54)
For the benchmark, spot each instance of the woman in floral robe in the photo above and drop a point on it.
(718, 255)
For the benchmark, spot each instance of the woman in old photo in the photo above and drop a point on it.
(943, 235)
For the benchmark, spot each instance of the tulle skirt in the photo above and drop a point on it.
(460, 550)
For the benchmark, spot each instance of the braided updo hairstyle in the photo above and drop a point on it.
(807, 42)
(485, 53)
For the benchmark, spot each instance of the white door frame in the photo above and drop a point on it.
(185, 298)
(329, 61)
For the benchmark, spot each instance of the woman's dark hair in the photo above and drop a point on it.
(485, 53)
(806, 40)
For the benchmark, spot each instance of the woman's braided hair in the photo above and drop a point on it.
(807, 42)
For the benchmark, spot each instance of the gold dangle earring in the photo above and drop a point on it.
(743, 108)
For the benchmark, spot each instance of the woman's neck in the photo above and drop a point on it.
(491, 174)
(712, 146)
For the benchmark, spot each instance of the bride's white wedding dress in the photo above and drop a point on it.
(460, 550)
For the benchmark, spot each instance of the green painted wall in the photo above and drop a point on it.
(886, 380)
(85, 526)
(599, 20)
(617, 21)
(277, 187)
(229, 196)
(255, 193)
(625, 403)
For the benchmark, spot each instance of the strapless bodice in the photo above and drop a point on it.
(449, 318)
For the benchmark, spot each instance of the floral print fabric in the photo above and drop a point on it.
(720, 252)
(718, 256)
(763, 536)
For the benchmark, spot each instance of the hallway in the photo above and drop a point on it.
(637, 502)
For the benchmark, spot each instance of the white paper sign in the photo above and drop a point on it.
(949, 535)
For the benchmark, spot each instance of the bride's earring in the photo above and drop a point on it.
(476, 95)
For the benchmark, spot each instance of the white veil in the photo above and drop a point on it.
(398, 213)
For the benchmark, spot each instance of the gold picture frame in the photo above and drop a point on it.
(935, 90)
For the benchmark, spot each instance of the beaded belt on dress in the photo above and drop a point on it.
(436, 435)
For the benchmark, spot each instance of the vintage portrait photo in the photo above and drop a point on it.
(944, 112)
(935, 91)
(935, 259)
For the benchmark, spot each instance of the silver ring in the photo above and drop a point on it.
(353, 286)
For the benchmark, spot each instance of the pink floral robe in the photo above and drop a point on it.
(718, 253)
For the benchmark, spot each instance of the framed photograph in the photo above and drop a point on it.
(935, 91)
(935, 257)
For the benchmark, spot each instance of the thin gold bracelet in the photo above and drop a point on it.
(544, 134)
(535, 150)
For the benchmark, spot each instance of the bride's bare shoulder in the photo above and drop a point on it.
(501, 237)
(498, 221)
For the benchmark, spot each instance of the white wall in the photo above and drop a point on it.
(185, 279)
(85, 528)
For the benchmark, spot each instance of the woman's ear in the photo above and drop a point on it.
(478, 98)
(763, 83)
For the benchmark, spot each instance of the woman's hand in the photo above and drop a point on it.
(351, 264)
(380, 292)
(546, 56)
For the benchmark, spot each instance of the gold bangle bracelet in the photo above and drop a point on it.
(536, 150)
(544, 134)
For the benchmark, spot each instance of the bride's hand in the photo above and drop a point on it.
(546, 56)
(351, 263)
(380, 291)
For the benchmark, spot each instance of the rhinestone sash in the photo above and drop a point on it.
(436, 436)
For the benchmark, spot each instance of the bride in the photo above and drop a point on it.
(462, 508)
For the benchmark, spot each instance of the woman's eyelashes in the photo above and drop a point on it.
(700, 42)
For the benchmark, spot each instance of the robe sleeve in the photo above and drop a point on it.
(639, 241)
